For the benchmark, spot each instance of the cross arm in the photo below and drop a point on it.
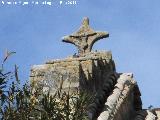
(68, 39)
(99, 35)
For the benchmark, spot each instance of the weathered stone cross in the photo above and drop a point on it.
(85, 37)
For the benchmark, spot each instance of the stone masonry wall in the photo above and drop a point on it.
(74, 72)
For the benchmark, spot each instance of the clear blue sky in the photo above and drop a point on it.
(35, 32)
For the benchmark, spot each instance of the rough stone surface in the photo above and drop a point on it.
(83, 72)
(141, 115)
(157, 111)
(120, 101)
(150, 116)
(102, 94)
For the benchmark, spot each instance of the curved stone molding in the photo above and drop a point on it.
(141, 115)
(114, 101)
(96, 107)
(137, 98)
(156, 111)
(150, 116)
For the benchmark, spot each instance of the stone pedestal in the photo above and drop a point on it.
(87, 72)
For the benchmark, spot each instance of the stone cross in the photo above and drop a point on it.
(85, 37)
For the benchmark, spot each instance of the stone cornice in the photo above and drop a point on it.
(124, 84)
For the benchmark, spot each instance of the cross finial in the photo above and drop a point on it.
(85, 37)
(85, 21)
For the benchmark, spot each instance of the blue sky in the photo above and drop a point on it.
(35, 32)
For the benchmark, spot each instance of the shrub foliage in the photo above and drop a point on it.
(20, 102)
